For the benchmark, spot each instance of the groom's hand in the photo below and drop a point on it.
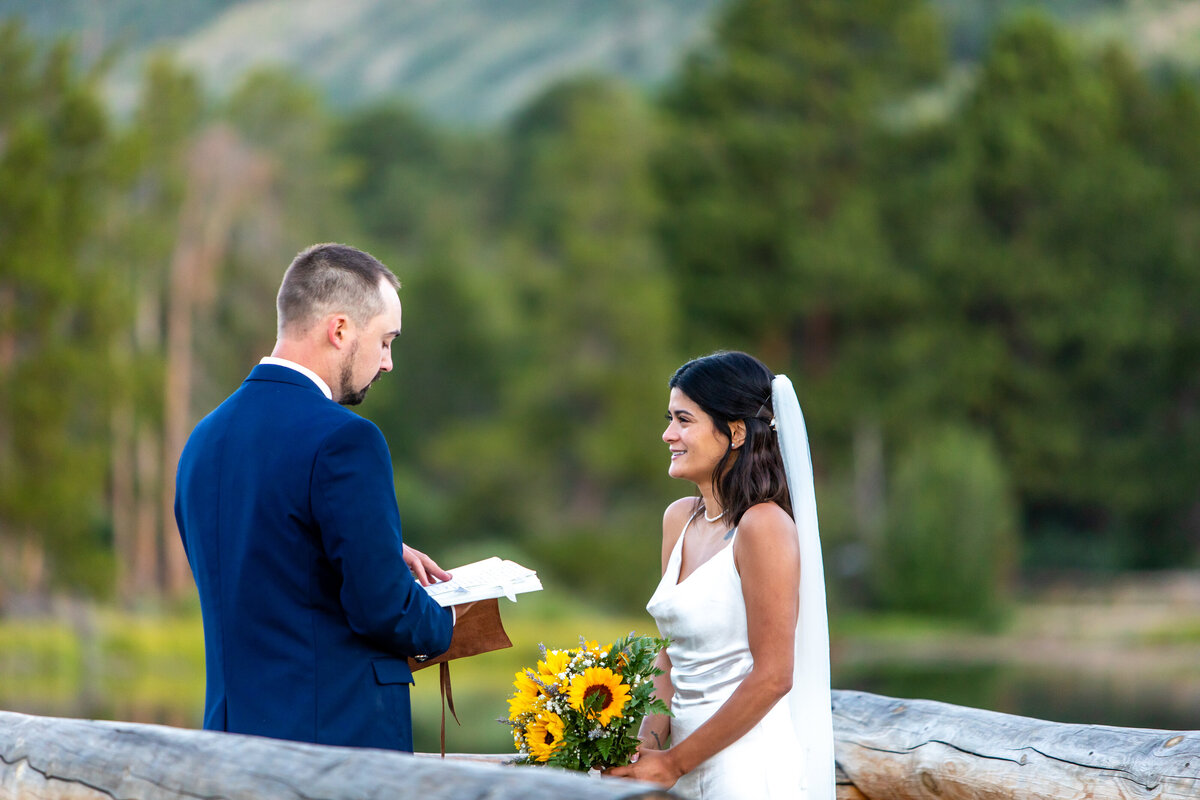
(423, 568)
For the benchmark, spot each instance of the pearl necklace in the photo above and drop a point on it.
(714, 519)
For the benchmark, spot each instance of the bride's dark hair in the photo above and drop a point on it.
(728, 386)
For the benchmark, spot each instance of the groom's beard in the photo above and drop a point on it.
(347, 394)
(354, 398)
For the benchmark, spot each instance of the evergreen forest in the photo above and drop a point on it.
(984, 284)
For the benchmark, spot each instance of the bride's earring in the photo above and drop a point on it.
(737, 434)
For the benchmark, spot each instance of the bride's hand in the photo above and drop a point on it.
(653, 766)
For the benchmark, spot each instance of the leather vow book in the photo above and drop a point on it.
(479, 631)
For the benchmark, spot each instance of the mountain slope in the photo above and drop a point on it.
(475, 62)
(464, 61)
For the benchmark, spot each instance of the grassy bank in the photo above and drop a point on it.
(105, 664)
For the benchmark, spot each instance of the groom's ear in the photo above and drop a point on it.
(737, 433)
(337, 328)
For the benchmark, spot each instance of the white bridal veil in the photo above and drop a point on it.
(809, 698)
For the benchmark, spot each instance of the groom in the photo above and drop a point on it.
(287, 510)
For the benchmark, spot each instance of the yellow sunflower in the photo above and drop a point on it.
(557, 662)
(602, 689)
(527, 695)
(518, 705)
(595, 649)
(544, 735)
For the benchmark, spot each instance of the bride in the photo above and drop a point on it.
(742, 596)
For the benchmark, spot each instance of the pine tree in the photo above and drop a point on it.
(58, 314)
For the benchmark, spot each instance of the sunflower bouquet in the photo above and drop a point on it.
(581, 708)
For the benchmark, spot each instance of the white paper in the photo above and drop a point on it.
(483, 580)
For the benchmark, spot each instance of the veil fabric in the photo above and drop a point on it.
(809, 698)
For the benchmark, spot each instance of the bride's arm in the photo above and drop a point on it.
(768, 560)
(656, 728)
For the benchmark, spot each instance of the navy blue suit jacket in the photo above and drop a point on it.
(287, 508)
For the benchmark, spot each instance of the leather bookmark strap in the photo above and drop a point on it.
(447, 700)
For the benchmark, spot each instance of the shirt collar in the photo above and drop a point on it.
(303, 370)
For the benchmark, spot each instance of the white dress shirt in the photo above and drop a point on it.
(303, 370)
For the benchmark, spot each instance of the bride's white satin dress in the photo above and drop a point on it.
(704, 615)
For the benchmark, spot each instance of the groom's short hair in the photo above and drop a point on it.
(330, 278)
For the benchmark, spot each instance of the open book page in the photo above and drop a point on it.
(483, 580)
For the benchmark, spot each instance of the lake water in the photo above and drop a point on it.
(1126, 701)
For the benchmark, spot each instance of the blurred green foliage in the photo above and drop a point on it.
(951, 480)
(58, 306)
(1018, 260)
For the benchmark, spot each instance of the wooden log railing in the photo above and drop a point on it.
(887, 749)
(908, 749)
(44, 758)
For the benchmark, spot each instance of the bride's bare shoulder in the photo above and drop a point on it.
(675, 518)
(766, 538)
(767, 521)
(768, 513)
(678, 514)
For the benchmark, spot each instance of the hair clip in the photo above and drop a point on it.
(760, 415)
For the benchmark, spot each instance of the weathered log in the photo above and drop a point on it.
(897, 749)
(43, 758)
(886, 749)
(846, 790)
